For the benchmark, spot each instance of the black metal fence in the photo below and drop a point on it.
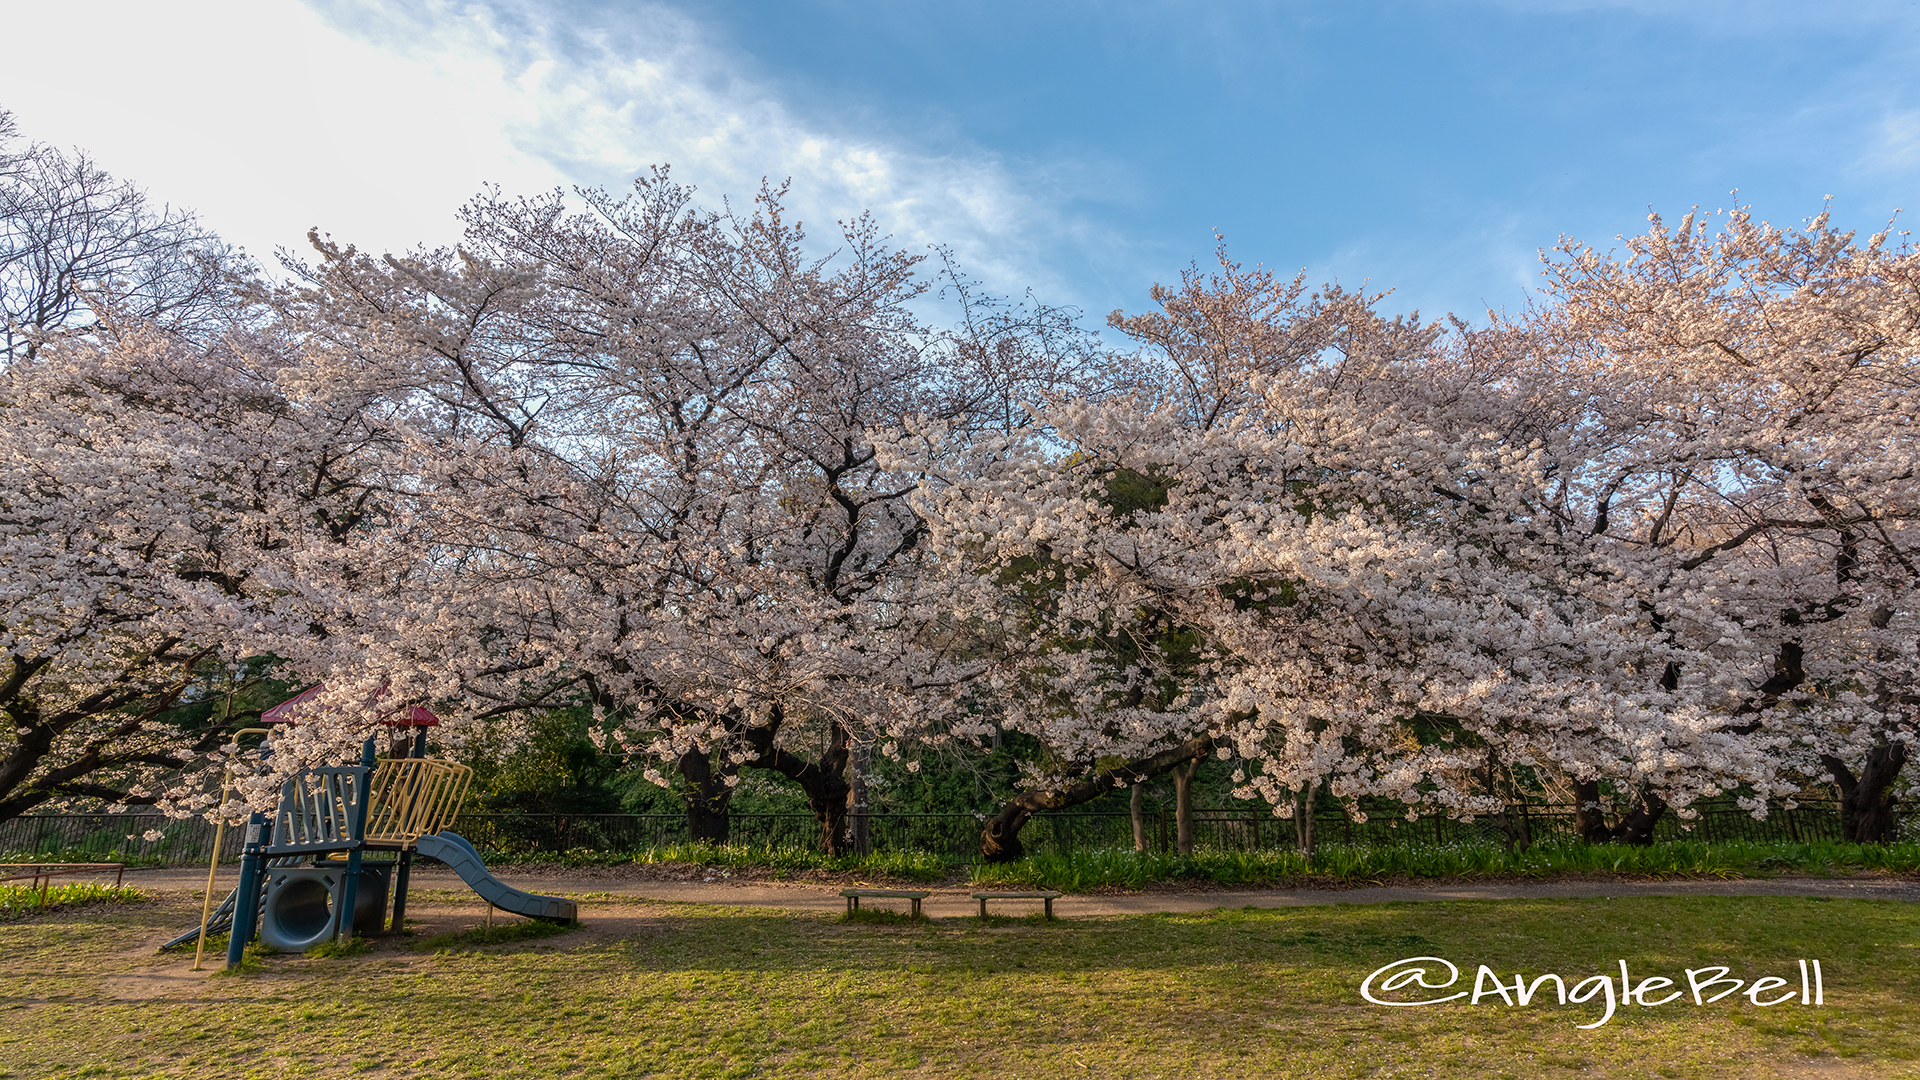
(154, 838)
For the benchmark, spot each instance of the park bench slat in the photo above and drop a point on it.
(1047, 896)
(916, 895)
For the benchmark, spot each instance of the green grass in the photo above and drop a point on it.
(1337, 864)
(694, 991)
(19, 901)
(779, 861)
(97, 854)
(338, 949)
(501, 934)
(1341, 865)
(252, 960)
(882, 917)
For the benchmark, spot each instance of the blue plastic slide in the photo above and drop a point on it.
(457, 853)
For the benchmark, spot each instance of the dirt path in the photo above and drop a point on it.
(953, 900)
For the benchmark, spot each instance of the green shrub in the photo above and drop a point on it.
(17, 900)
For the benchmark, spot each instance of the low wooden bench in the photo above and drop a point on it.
(853, 897)
(983, 897)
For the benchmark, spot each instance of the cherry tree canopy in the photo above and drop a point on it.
(154, 488)
(1603, 540)
(1653, 538)
(1731, 420)
(641, 473)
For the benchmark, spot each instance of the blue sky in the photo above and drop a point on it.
(1085, 150)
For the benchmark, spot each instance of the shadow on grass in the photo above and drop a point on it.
(1035, 919)
(1544, 934)
(883, 917)
(503, 934)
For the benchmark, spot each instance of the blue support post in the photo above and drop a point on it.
(405, 869)
(246, 907)
(350, 881)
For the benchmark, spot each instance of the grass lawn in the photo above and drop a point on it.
(1331, 863)
(682, 990)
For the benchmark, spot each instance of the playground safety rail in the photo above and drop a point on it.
(413, 797)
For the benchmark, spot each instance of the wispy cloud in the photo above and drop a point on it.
(375, 119)
(267, 121)
(1895, 148)
(599, 96)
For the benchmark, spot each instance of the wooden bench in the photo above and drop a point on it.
(853, 897)
(983, 897)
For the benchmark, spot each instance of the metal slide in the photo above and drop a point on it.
(457, 853)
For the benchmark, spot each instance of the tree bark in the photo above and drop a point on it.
(1866, 800)
(1183, 806)
(1635, 827)
(1303, 801)
(1519, 827)
(1000, 839)
(706, 794)
(824, 781)
(1137, 808)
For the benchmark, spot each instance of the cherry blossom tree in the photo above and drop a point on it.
(1653, 538)
(1737, 415)
(1350, 544)
(148, 478)
(75, 240)
(642, 475)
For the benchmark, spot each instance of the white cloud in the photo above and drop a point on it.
(603, 95)
(267, 121)
(374, 120)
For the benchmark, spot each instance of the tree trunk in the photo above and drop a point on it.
(1866, 800)
(1000, 840)
(1137, 807)
(1303, 819)
(1519, 828)
(859, 836)
(1589, 816)
(706, 795)
(1636, 827)
(1183, 806)
(824, 781)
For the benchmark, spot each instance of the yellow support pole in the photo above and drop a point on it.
(213, 870)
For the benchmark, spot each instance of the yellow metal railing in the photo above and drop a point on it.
(413, 797)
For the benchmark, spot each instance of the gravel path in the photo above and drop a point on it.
(953, 900)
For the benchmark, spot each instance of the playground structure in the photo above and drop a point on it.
(304, 878)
